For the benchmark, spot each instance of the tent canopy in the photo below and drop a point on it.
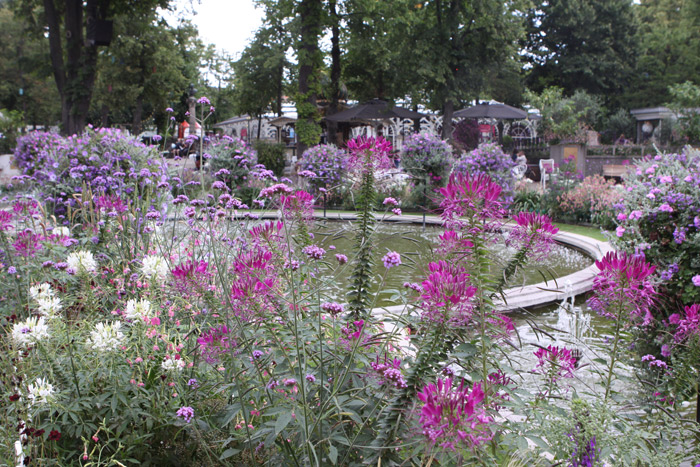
(375, 109)
(497, 111)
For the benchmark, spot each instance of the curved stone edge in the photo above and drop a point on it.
(527, 296)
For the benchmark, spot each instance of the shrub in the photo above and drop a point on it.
(426, 156)
(10, 121)
(271, 155)
(489, 159)
(592, 200)
(659, 216)
(102, 161)
(328, 163)
(466, 134)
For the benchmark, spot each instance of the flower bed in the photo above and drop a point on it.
(208, 340)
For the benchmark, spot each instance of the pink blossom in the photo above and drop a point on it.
(635, 215)
(470, 196)
(622, 289)
(533, 232)
(620, 231)
(391, 259)
(454, 416)
(555, 362)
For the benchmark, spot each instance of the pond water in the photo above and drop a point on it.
(416, 245)
(573, 325)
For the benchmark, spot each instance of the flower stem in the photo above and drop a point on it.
(613, 356)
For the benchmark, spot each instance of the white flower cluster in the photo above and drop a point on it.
(106, 336)
(49, 304)
(155, 266)
(40, 392)
(137, 311)
(30, 331)
(81, 261)
(61, 231)
(170, 364)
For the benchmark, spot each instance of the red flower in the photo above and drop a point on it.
(55, 435)
(14, 397)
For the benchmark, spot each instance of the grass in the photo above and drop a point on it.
(593, 232)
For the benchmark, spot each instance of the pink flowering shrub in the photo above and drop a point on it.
(592, 200)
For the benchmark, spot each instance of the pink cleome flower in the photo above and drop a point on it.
(534, 232)
(454, 416)
(555, 362)
(470, 196)
(622, 289)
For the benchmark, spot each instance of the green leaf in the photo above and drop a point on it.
(228, 453)
(333, 454)
(282, 422)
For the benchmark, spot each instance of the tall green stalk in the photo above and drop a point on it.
(361, 277)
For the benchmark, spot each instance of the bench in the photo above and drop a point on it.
(616, 170)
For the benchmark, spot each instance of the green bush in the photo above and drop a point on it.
(271, 155)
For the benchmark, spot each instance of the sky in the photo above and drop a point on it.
(228, 24)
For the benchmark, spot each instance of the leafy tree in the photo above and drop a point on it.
(139, 69)
(581, 44)
(462, 42)
(25, 78)
(380, 57)
(566, 118)
(259, 77)
(686, 105)
(310, 59)
(669, 38)
(73, 50)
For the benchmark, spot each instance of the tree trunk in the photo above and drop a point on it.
(447, 112)
(307, 126)
(138, 113)
(104, 116)
(280, 89)
(259, 126)
(332, 127)
(75, 77)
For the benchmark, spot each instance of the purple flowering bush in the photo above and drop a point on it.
(99, 162)
(659, 217)
(426, 156)
(234, 167)
(489, 159)
(327, 164)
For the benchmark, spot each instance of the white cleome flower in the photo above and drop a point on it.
(137, 311)
(170, 364)
(61, 231)
(30, 331)
(49, 306)
(81, 261)
(155, 266)
(41, 291)
(106, 336)
(40, 392)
